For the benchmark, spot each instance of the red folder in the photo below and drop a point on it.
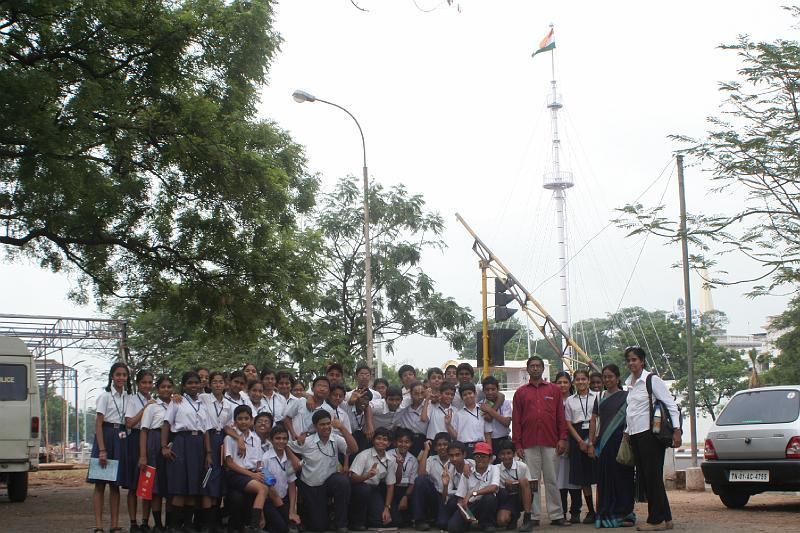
(147, 477)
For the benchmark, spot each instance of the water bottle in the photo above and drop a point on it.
(657, 419)
(269, 479)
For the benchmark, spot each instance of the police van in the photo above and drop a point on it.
(19, 417)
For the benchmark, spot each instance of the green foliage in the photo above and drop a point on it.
(752, 153)
(131, 154)
(786, 367)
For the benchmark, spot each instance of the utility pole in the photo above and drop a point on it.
(687, 297)
(485, 303)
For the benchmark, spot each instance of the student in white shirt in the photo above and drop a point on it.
(363, 383)
(276, 460)
(336, 407)
(134, 409)
(496, 415)
(430, 491)
(320, 477)
(262, 427)
(478, 492)
(235, 396)
(468, 421)
(411, 417)
(361, 419)
(189, 453)
(298, 419)
(386, 412)
(439, 413)
(408, 376)
(255, 393)
(406, 477)
(514, 495)
(582, 464)
(373, 476)
(108, 435)
(460, 467)
(244, 473)
(276, 403)
(150, 448)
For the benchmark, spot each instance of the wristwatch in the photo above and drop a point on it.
(474, 493)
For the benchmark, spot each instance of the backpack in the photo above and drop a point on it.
(665, 431)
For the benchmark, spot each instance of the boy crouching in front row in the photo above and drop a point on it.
(514, 495)
(373, 475)
(478, 493)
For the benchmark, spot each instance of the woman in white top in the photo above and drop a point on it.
(109, 433)
(647, 449)
(582, 465)
(150, 448)
(134, 409)
(566, 488)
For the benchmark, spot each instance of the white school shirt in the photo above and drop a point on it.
(266, 445)
(637, 414)
(382, 417)
(189, 415)
(320, 459)
(458, 403)
(276, 405)
(469, 424)
(519, 470)
(112, 405)
(385, 471)
(578, 409)
(436, 414)
(410, 418)
(456, 476)
(153, 417)
(358, 421)
(434, 467)
(476, 481)
(410, 468)
(233, 404)
(281, 468)
(494, 427)
(302, 417)
(338, 413)
(262, 407)
(406, 397)
(134, 404)
(219, 412)
(252, 450)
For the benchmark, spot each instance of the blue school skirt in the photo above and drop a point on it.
(129, 464)
(215, 488)
(185, 472)
(156, 459)
(114, 448)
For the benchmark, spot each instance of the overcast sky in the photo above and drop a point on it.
(453, 106)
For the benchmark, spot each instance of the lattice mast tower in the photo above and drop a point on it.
(558, 181)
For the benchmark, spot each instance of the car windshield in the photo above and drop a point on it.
(761, 407)
(13, 383)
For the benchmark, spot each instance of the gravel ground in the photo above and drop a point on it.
(60, 501)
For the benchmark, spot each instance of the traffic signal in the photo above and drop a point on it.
(501, 299)
(497, 346)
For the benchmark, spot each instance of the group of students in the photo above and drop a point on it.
(225, 443)
(268, 453)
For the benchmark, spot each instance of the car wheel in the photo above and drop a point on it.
(17, 486)
(733, 499)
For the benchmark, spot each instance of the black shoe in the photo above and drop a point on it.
(527, 524)
(575, 518)
(356, 528)
(589, 519)
(344, 529)
(560, 522)
(421, 525)
(489, 529)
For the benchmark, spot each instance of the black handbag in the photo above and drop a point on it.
(665, 429)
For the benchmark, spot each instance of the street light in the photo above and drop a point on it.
(303, 96)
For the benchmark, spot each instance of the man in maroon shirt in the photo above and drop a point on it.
(540, 435)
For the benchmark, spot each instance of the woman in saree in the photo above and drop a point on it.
(615, 486)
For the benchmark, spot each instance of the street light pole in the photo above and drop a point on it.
(300, 97)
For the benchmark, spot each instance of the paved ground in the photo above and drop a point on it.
(60, 502)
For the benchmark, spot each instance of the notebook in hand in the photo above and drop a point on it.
(98, 473)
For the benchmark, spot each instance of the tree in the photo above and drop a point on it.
(405, 298)
(786, 367)
(130, 153)
(752, 152)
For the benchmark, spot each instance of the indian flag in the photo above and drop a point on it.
(546, 44)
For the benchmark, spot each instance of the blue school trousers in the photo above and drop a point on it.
(366, 504)
(484, 509)
(315, 501)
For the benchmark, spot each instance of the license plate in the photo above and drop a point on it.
(758, 476)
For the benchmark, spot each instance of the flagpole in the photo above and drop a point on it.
(552, 61)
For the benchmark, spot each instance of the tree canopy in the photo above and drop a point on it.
(752, 151)
(130, 152)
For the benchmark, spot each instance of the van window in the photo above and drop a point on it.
(761, 407)
(13, 383)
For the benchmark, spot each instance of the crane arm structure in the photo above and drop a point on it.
(534, 310)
